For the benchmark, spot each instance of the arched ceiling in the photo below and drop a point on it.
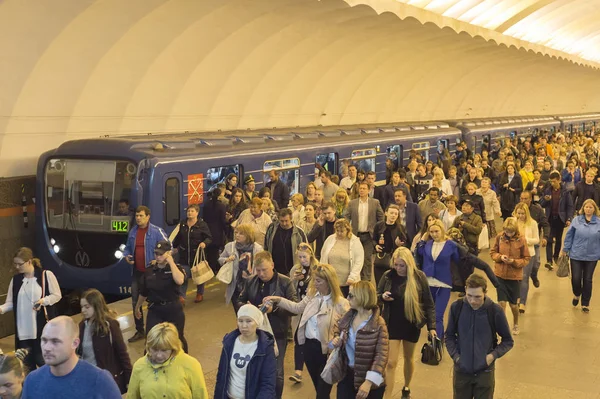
(84, 68)
(569, 26)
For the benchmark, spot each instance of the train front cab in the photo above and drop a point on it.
(80, 233)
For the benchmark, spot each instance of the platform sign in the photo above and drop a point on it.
(119, 226)
(195, 193)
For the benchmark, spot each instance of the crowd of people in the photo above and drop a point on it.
(348, 267)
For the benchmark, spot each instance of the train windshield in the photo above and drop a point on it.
(89, 195)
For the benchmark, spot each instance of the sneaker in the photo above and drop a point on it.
(521, 308)
(515, 330)
(536, 282)
(138, 336)
(549, 266)
(585, 309)
(297, 378)
(406, 393)
(575, 301)
(199, 298)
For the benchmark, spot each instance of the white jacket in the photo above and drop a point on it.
(357, 255)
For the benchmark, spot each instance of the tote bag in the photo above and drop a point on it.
(201, 271)
(563, 267)
(225, 274)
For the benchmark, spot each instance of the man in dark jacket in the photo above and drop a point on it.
(409, 217)
(470, 225)
(558, 202)
(537, 214)
(268, 282)
(280, 193)
(282, 240)
(323, 227)
(471, 339)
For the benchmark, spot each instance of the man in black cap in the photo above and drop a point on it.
(160, 286)
(470, 225)
(249, 186)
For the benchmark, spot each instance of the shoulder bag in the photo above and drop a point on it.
(225, 274)
(337, 363)
(431, 353)
(201, 271)
(563, 267)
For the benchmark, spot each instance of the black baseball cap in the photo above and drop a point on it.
(163, 246)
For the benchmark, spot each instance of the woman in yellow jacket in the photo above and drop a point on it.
(526, 173)
(166, 371)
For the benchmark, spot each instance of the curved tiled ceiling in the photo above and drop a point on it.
(84, 68)
(569, 26)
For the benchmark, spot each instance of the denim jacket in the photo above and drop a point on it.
(153, 236)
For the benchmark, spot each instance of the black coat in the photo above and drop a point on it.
(280, 193)
(214, 216)
(188, 240)
(111, 353)
(509, 199)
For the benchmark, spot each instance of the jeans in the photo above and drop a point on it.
(136, 279)
(474, 386)
(556, 232)
(525, 280)
(441, 296)
(184, 286)
(345, 388)
(536, 263)
(582, 275)
(315, 363)
(368, 247)
(298, 353)
(282, 346)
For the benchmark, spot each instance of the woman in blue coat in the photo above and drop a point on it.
(582, 246)
(437, 252)
(247, 368)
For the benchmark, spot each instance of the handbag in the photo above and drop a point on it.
(431, 352)
(382, 260)
(225, 274)
(335, 368)
(484, 239)
(201, 271)
(563, 266)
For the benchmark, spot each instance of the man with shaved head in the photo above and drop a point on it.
(64, 375)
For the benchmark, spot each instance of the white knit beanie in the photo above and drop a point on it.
(252, 312)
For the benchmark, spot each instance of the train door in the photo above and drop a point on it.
(172, 200)
(329, 162)
(288, 170)
(485, 142)
(395, 155)
(422, 148)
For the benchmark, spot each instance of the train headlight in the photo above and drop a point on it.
(122, 247)
(52, 241)
(56, 248)
(118, 254)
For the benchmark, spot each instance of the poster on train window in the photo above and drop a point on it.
(195, 192)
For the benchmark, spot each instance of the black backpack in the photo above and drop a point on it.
(491, 313)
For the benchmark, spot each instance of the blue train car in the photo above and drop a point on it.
(478, 133)
(578, 123)
(80, 233)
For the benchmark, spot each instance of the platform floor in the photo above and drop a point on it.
(557, 354)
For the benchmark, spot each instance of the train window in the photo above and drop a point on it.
(364, 159)
(394, 154)
(485, 143)
(84, 195)
(327, 162)
(289, 173)
(423, 149)
(218, 174)
(172, 205)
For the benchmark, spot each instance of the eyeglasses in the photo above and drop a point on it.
(317, 268)
(17, 264)
(351, 296)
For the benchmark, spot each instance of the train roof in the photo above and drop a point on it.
(574, 118)
(505, 124)
(210, 143)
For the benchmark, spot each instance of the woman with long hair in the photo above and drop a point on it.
(438, 252)
(102, 342)
(432, 217)
(166, 371)
(344, 251)
(309, 195)
(530, 230)
(321, 308)
(388, 235)
(364, 335)
(340, 200)
(510, 255)
(231, 182)
(237, 204)
(247, 367)
(581, 245)
(31, 294)
(12, 376)
(407, 306)
(310, 218)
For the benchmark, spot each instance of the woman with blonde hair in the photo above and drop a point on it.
(510, 255)
(297, 205)
(581, 245)
(12, 376)
(526, 173)
(102, 342)
(407, 305)
(340, 200)
(31, 294)
(529, 229)
(437, 253)
(166, 371)
(344, 251)
(321, 309)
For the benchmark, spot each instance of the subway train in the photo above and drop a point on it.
(80, 235)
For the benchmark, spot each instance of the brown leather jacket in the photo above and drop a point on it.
(371, 348)
(515, 248)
